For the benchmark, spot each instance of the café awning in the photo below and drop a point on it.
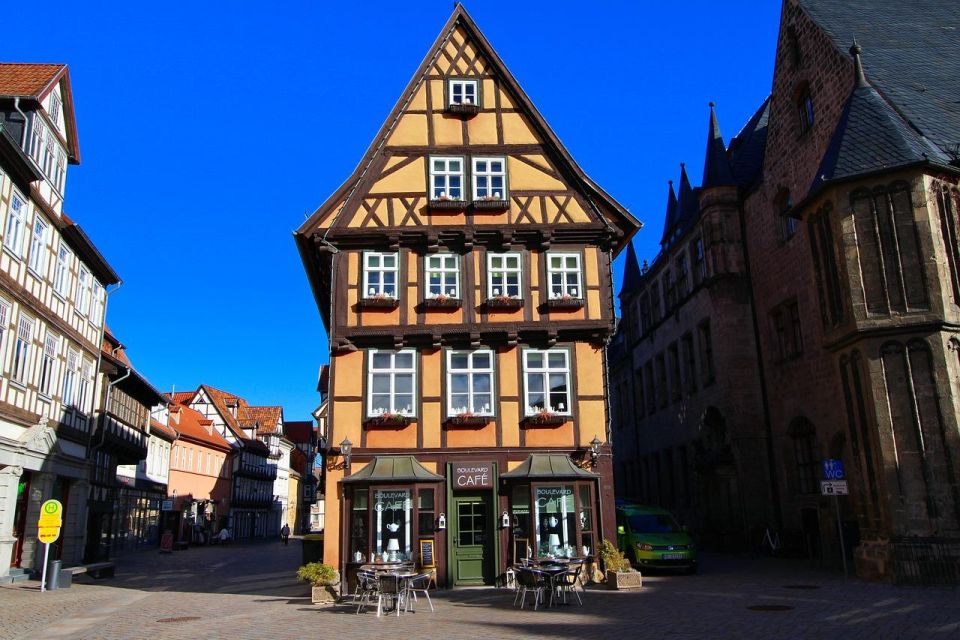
(548, 465)
(393, 469)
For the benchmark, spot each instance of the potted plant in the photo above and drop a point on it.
(322, 578)
(619, 573)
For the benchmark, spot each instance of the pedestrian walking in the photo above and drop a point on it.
(285, 533)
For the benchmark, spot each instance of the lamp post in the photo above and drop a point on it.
(346, 447)
(594, 451)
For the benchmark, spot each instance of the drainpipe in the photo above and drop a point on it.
(103, 328)
(23, 132)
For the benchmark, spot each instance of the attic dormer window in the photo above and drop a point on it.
(805, 109)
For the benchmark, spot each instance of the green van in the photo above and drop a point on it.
(651, 538)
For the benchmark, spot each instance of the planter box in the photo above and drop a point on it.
(463, 109)
(544, 421)
(491, 205)
(504, 303)
(442, 303)
(468, 421)
(447, 205)
(379, 303)
(396, 422)
(624, 580)
(560, 304)
(323, 595)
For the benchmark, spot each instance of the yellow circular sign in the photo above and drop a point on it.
(52, 507)
(51, 513)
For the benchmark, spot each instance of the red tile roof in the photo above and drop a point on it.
(298, 461)
(183, 397)
(192, 425)
(267, 417)
(222, 400)
(298, 431)
(28, 79)
(163, 430)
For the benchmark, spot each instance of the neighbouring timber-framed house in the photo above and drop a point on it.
(52, 305)
(463, 273)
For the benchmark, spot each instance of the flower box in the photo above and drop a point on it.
(387, 420)
(379, 302)
(463, 109)
(624, 580)
(468, 420)
(491, 205)
(442, 302)
(447, 204)
(545, 419)
(565, 302)
(504, 302)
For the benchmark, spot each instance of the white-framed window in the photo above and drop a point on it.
(48, 367)
(21, 351)
(16, 223)
(55, 110)
(82, 298)
(443, 275)
(99, 300)
(86, 382)
(489, 179)
(470, 382)
(60, 173)
(463, 91)
(4, 320)
(504, 275)
(37, 135)
(70, 378)
(391, 382)
(446, 178)
(546, 381)
(38, 247)
(61, 273)
(564, 275)
(380, 271)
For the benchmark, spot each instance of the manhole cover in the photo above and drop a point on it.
(801, 586)
(179, 619)
(770, 607)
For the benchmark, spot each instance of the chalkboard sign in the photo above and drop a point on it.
(426, 553)
(520, 549)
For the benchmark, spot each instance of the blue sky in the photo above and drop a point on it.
(208, 134)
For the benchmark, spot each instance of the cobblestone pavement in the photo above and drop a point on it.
(248, 591)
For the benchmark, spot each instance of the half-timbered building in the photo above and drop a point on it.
(463, 273)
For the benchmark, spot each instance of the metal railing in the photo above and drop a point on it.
(926, 561)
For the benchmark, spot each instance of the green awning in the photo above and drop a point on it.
(548, 465)
(393, 469)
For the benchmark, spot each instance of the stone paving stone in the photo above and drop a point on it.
(248, 591)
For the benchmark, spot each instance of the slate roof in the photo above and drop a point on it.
(393, 469)
(631, 271)
(672, 215)
(548, 465)
(871, 135)
(716, 167)
(909, 54)
(688, 202)
(747, 148)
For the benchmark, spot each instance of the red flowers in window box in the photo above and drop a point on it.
(566, 301)
(544, 418)
(491, 203)
(388, 419)
(504, 302)
(446, 203)
(442, 301)
(379, 301)
(468, 419)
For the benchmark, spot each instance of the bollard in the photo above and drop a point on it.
(53, 575)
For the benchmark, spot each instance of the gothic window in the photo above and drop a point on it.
(698, 258)
(655, 302)
(804, 106)
(948, 204)
(783, 206)
(805, 455)
(825, 267)
(860, 431)
(891, 268)
(706, 353)
(689, 364)
(638, 400)
(661, 381)
(785, 323)
(651, 388)
(674, 358)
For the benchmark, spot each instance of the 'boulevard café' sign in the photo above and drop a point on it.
(472, 475)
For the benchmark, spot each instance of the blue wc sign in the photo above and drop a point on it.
(833, 469)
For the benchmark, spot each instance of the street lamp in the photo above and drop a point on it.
(594, 451)
(346, 447)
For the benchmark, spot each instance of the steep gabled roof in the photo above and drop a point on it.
(747, 148)
(716, 167)
(298, 431)
(345, 194)
(193, 425)
(267, 418)
(222, 401)
(35, 81)
(910, 51)
(872, 136)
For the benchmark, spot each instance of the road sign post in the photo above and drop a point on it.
(835, 485)
(48, 531)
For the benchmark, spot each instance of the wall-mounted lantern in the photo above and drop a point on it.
(505, 520)
(346, 448)
(441, 522)
(594, 451)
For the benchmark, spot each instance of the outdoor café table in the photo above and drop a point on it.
(552, 571)
(403, 572)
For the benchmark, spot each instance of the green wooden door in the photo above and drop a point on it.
(473, 541)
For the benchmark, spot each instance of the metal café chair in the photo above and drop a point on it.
(530, 580)
(392, 587)
(568, 581)
(419, 583)
(368, 588)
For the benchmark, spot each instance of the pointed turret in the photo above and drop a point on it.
(688, 205)
(716, 166)
(871, 135)
(631, 272)
(672, 217)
